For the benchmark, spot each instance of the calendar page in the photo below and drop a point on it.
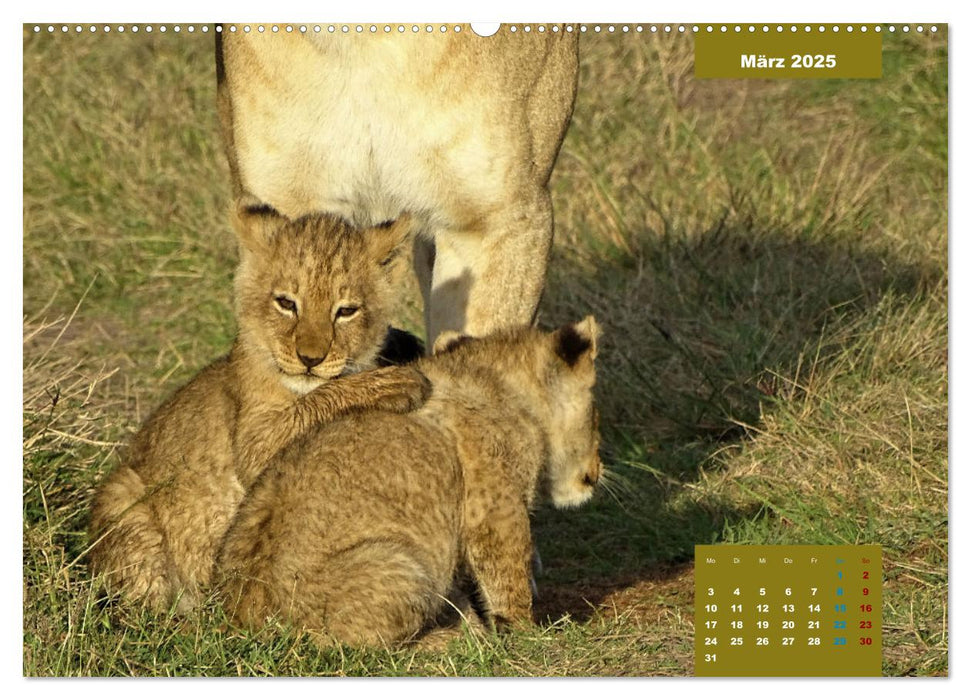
(363, 342)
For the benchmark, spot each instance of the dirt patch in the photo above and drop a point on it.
(648, 597)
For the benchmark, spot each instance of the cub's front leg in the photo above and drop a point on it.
(395, 389)
(262, 435)
(498, 551)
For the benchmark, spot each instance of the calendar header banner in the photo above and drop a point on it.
(788, 51)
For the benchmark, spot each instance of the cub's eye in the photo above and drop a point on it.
(346, 311)
(286, 303)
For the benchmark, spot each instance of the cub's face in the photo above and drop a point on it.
(314, 294)
(575, 466)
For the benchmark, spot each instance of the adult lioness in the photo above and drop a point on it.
(459, 130)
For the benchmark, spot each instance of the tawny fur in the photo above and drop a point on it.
(462, 130)
(357, 531)
(159, 517)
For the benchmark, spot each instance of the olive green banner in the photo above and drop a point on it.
(780, 52)
(788, 610)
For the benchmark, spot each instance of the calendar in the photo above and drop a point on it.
(788, 610)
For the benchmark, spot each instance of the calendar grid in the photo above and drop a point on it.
(788, 610)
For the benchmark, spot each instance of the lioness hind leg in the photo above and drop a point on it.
(490, 279)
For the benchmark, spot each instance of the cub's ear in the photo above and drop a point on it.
(448, 341)
(387, 240)
(255, 223)
(574, 341)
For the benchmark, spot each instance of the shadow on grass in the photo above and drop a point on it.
(696, 332)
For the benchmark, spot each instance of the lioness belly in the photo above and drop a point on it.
(367, 128)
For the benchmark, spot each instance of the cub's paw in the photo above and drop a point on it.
(402, 389)
(518, 620)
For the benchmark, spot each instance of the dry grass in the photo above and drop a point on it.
(768, 259)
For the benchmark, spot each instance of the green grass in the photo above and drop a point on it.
(768, 260)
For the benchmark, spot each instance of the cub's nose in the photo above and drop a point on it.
(593, 473)
(310, 362)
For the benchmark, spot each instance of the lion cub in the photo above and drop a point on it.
(358, 530)
(313, 299)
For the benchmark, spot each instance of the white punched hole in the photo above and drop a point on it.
(485, 28)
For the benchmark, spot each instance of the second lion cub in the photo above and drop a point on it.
(357, 530)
